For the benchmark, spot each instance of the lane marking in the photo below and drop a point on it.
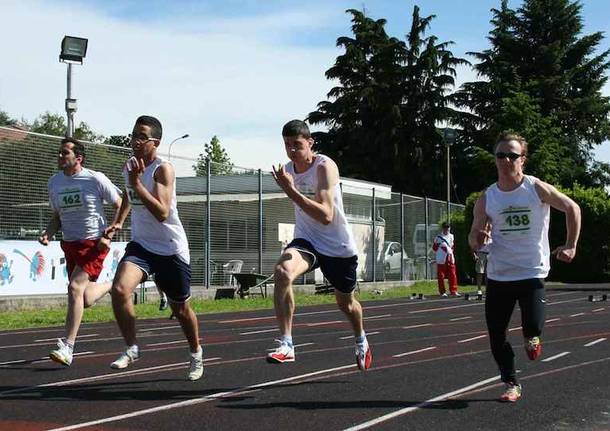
(160, 328)
(443, 308)
(592, 343)
(258, 332)
(577, 314)
(597, 310)
(368, 334)
(406, 410)
(555, 357)
(473, 338)
(200, 400)
(43, 359)
(516, 328)
(400, 355)
(330, 322)
(460, 318)
(417, 326)
(77, 338)
(166, 343)
(552, 320)
(376, 317)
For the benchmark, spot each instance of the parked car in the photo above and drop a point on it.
(391, 257)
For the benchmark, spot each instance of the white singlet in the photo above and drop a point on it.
(165, 238)
(520, 225)
(336, 238)
(79, 201)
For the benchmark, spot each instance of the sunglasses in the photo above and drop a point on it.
(511, 156)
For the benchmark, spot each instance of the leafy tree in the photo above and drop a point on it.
(6, 119)
(390, 97)
(221, 163)
(118, 141)
(55, 125)
(541, 79)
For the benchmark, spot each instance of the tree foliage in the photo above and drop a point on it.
(220, 161)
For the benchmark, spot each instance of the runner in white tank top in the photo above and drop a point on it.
(322, 238)
(158, 246)
(517, 208)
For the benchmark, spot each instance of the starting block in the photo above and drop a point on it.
(417, 296)
(595, 298)
(473, 297)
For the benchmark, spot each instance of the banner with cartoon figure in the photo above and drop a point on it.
(29, 268)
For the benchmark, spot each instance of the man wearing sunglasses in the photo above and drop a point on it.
(517, 207)
(158, 244)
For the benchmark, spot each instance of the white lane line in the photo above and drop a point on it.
(258, 332)
(77, 338)
(43, 359)
(460, 318)
(556, 356)
(597, 310)
(577, 314)
(552, 320)
(331, 322)
(166, 343)
(100, 377)
(471, 339)
(296, 345)
(400, 355)
(160, 328)
(417, 326)
(200, 400)
(516, 328)
(376, 317)
(406, 410)
(442, 308)
(368, 334)
(592, 343)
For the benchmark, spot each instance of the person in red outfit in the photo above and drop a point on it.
(445, 261)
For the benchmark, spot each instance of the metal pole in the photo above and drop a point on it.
(260, 221)
(427, 235)
(69, 113)
(374, 238)
(207, 223)
(448, 180)
(402, 239)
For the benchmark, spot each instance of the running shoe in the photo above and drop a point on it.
(127, 358)
(283, 353)
(456, 294)
(196, 368)
(512, 393)
(163, 303)
(444, 295)
(63, 354)
(364, 356)
(533, 347)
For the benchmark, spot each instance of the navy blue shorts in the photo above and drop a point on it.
(339, 271)
(172, 275)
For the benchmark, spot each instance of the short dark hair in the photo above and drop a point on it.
(77, 147)
(510, 136)
(153, 123)
(296, 128)
(446, 225)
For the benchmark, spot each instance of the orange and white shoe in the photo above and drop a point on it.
(364, 356)
(283, 353)
(533, 348)
(512, 393)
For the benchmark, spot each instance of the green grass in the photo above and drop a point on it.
(103, 312)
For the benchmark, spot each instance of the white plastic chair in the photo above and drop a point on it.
(232, 267)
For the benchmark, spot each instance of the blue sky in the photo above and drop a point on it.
(236, 69)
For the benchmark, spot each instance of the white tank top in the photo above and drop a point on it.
(336, 238)
(165, 238)
(520, 223)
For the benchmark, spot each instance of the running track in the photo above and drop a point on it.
(432, 370)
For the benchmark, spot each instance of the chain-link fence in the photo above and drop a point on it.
(236, 219)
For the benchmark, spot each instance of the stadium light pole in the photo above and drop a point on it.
(169, 153)
(448, 138)
(73, 51)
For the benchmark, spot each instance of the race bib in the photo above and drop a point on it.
(70, 199)
(515, 221)
(134, 199)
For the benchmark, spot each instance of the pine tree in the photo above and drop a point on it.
(220, 162)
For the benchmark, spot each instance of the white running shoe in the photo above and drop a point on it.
(364, 356)
(196, 368)
(127, 358)
(63, 354)
(283, 353)
(444, 295)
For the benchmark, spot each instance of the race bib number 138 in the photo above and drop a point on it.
(515, 221)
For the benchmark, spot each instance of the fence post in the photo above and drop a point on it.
(207, 223)
(260, 221)
(426, 221)
(402, 239)
(374, 217)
